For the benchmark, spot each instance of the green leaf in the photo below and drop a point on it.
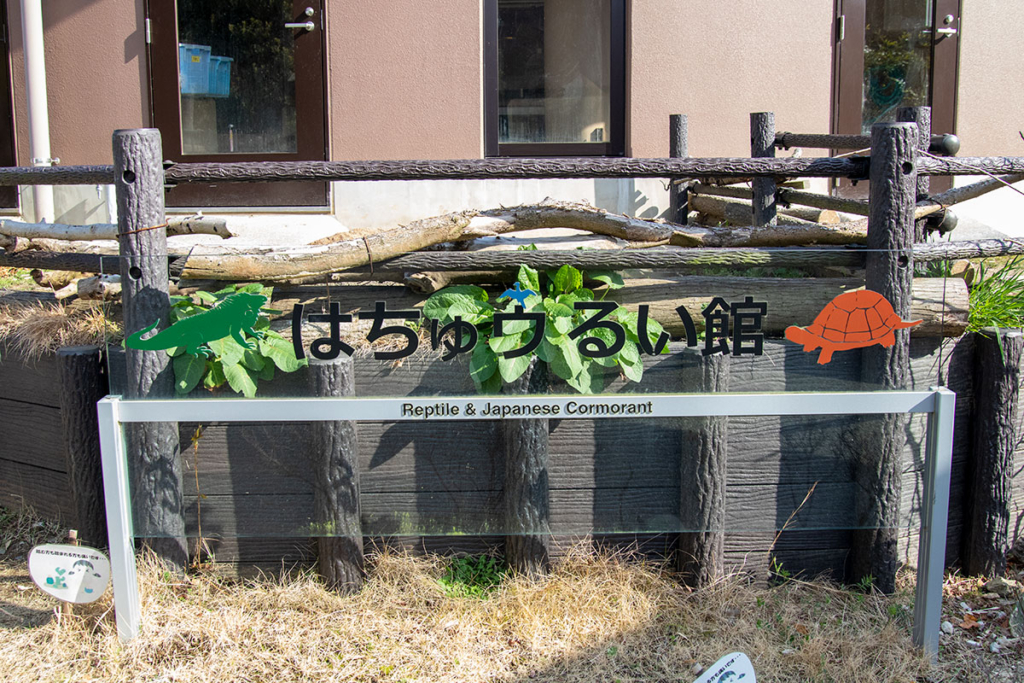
(609, 277)
(253, 360)
(590, 380)
(529, 278)
(630, 353)
(215, 375)
(188, 371)
(252, 288)
(227, 350)
(515, 327)
(178, 300)
(568, 279)
(527, 247)
(512, 369)
(240, 380)
(633, 371)
(546, 351)
(282, 353)
(506, 342)
(469, 297)
(483, 364)
(492, 385)
(609, 338)
(207, 297)
(175, 351)
(567, 361)
(267, 373)
(471, 310)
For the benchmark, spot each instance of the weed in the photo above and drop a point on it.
(15, 278)
(473, 577)
(997, 297)
(866, 583)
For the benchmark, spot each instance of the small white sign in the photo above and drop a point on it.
(72, 573)
(730, 669)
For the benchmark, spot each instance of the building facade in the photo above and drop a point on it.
(234, 80)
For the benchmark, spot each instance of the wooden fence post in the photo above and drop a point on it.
(527, 505)
(762, 144)
(889, 271)
(678, 148)
(335, 450)
(155, 468)
(83, 382)
(922, 116)
(996, 392)
(700, 557)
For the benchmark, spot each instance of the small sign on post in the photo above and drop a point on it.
(71, 573)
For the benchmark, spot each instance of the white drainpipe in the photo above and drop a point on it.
(38, 111)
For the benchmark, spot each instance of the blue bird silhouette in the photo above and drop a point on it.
(519, 294)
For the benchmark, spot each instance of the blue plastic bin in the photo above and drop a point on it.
(220, 76)
(194, 68)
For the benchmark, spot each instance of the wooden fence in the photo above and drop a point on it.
(896, 168)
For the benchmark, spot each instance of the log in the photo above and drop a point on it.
(889, 271)
(922, 117)
(54, 279)
(946, 144)
(487, 169)
(99, 288)
(738, 212)
(762, 144)
(317, 261)
(702, 470)
(678, 148)
(183, 225)
(156, 484)
(998, 355)
(48, 260)
(970, 165)
(83, 382)
(824, 216)
(527, 503)
(335, 449)
(941, 305)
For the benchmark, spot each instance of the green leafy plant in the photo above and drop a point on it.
(561, 290)
(997, 297)
(232, 364)
(473, 577)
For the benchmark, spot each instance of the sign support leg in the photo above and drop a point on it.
(931, 554)
(119, 519)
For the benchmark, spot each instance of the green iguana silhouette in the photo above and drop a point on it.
(232, 316)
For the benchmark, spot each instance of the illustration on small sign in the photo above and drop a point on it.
(71, 573)
(852, 320)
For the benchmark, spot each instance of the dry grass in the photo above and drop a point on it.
(596, 618)
(33, 330)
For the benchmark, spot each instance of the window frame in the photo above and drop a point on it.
(616, 144)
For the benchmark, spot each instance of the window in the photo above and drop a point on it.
(240, 80)
(555, 77)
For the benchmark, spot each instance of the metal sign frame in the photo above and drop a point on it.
(938, 403)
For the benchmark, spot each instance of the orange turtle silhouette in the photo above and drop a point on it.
(852, 320)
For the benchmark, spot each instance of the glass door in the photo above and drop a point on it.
(892, 54)
(240, 80)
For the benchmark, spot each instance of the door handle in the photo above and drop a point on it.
(943, 32)
(307, 25)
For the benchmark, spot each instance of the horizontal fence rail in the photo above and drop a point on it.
(855, 168)
(947, 144)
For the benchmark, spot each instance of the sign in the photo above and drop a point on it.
(730, 668)
(72, 573)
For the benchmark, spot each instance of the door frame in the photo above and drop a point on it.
(311, 128)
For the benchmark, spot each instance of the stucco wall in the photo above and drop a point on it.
(719, 61)
(991, 89)
(95, 68)
(405, 79)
